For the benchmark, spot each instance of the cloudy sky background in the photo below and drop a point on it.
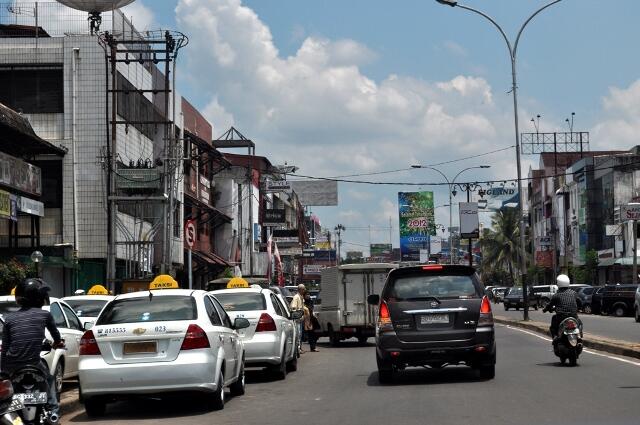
(340, 88)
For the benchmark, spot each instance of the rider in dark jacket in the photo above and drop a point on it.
(563, 303)
(24, 332)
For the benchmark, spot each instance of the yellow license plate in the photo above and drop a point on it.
(142, 347)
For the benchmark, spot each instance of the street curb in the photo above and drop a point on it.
(70, 402)
(612, 346)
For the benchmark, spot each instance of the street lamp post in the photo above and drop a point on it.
(339, 229)
(450, 187)
(514, 88)
(37, 257)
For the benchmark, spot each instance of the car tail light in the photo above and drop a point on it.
(486, 316)
(432, 267)
(195, 338)
(6, 389)
(266, 323)
(384, 318)
(88, 345)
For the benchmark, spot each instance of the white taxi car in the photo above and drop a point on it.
(87, 307)
(63, 363)
(269, 341)
(161, 341)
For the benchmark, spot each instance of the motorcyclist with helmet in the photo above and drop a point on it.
(24, 331)
(563, 302)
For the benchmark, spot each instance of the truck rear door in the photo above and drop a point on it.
(355, 305)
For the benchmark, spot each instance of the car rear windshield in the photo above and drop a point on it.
(515, 291)
(86, 308)
(407, 288)
(238, 301)
(157, 309)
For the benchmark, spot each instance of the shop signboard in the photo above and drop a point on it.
(469, 223)
(278, 186)
(20, 175)
(274, 217)
(630, 212)
(314, 269)
(286, 236)
(30, 206)
(416, 223)
(5, 204)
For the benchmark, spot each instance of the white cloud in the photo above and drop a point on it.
(218, 116)
(454, 48)
(620, 128)
(140, 15)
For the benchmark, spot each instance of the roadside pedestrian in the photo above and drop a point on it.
(311, 324)
(297, 304)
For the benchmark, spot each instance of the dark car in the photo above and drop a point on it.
(515, 299)
(618, 299)
(585, 297)
(596, 300)
(434, 315)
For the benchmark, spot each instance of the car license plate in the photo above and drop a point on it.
(142, 347)
(434, 318)
(16, 404)
(31, 398)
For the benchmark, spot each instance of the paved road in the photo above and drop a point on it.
(339, 386)
(622, 328)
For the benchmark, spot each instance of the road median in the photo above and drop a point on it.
(596, 342)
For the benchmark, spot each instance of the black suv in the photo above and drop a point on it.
(618, 299)
(434, 315)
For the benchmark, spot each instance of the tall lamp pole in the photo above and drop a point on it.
(450, 187)
(339, 229)
(514, 88)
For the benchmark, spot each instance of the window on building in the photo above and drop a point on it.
(32, 90)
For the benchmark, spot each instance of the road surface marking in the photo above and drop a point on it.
(588, 351)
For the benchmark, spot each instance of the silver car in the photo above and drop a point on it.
(161, 341)
(270, 340)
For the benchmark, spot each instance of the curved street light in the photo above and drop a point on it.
(514, 88)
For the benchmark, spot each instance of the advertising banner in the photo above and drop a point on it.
(469, 223)
(498, 197)
(277, 186)
(286, 236)
(435, 245)
(630, 212)
(274, 217)
(544, 259)
(20, 175)
(416, 223)
(312, 269)
(380, 250)
(316, 192)
(5, 204)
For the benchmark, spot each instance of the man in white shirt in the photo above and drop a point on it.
(297, 303)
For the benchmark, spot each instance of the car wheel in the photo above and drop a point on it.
(517, 308)
(362, 340)
(385, 370)
(58, 377)
(637, 315)
(280, 371)
(238, 387)
(619, 311)
(217, 399)
(587, 309)
(95, 407)
(487, 372)
(334, 339)
(506, 307)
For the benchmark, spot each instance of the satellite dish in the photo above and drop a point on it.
(95, 6)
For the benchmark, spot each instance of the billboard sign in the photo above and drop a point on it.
(312, 269)
(380, 250)
(435, 246)
(274, 217)
(316, 192)
(277, 186)
(417, 223)
(496, 198)
(630, 212)
(469, 223)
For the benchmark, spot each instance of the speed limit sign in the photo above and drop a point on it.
(190, 233)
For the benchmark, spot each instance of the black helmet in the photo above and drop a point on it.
(32, 292)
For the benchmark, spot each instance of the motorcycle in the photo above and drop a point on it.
(31, 390)
(567, 344)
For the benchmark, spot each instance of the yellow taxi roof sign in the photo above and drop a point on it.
(237, 282)
(97, 290)
(163, 281)
(13, 291)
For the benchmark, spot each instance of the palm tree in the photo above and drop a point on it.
(501, 244)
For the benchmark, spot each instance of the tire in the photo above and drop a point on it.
(362, 340)
(563, 360)
(573, 359)
(280, 371)
(217, 398)
(487, 372)
(517, 308)
(238, 387)
(637, 315)
(58, 377)
(619, 311)
(334, 339)
(385, 371)
(535, 307)
(587, 309)
(95, 407)
(544, 302)
(506, 308)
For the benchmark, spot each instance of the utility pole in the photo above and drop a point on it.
(470, 239)
(339, 229)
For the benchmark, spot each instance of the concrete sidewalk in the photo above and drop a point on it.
(597, 342)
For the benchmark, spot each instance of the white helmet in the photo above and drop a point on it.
(563, 281)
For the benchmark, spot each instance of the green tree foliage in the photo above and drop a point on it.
(585, 274)
(12, 272)
(501, 244)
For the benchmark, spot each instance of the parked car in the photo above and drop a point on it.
(544, 293)
(87, 307)
(596, 300)
(618, 299)
(62, 363)
(498, 294)
(433, 315)
(636, 305)
(162, 341)
(585, 295)
(271, 340)
(515, 299)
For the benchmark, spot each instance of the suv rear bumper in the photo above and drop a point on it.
(480, 350)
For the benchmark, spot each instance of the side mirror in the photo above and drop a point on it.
(88, 325)
(241, 323)
(297, 314)
(373, 299)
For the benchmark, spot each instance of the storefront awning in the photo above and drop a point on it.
(17, 137)
(606, 262)
(626, 261)
(210, 258)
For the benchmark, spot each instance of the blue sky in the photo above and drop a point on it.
(342, 87)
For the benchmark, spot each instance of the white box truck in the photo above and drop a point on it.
(344, 311)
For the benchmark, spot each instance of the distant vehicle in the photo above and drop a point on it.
(596, 300)
(545, 292)
(585, 295)
(344, 312)
(87, 307)
(618, 299)
(167, 340)
(515, 299)
(636, 305)
(270, 340)
(433, 315)
(498, 294)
